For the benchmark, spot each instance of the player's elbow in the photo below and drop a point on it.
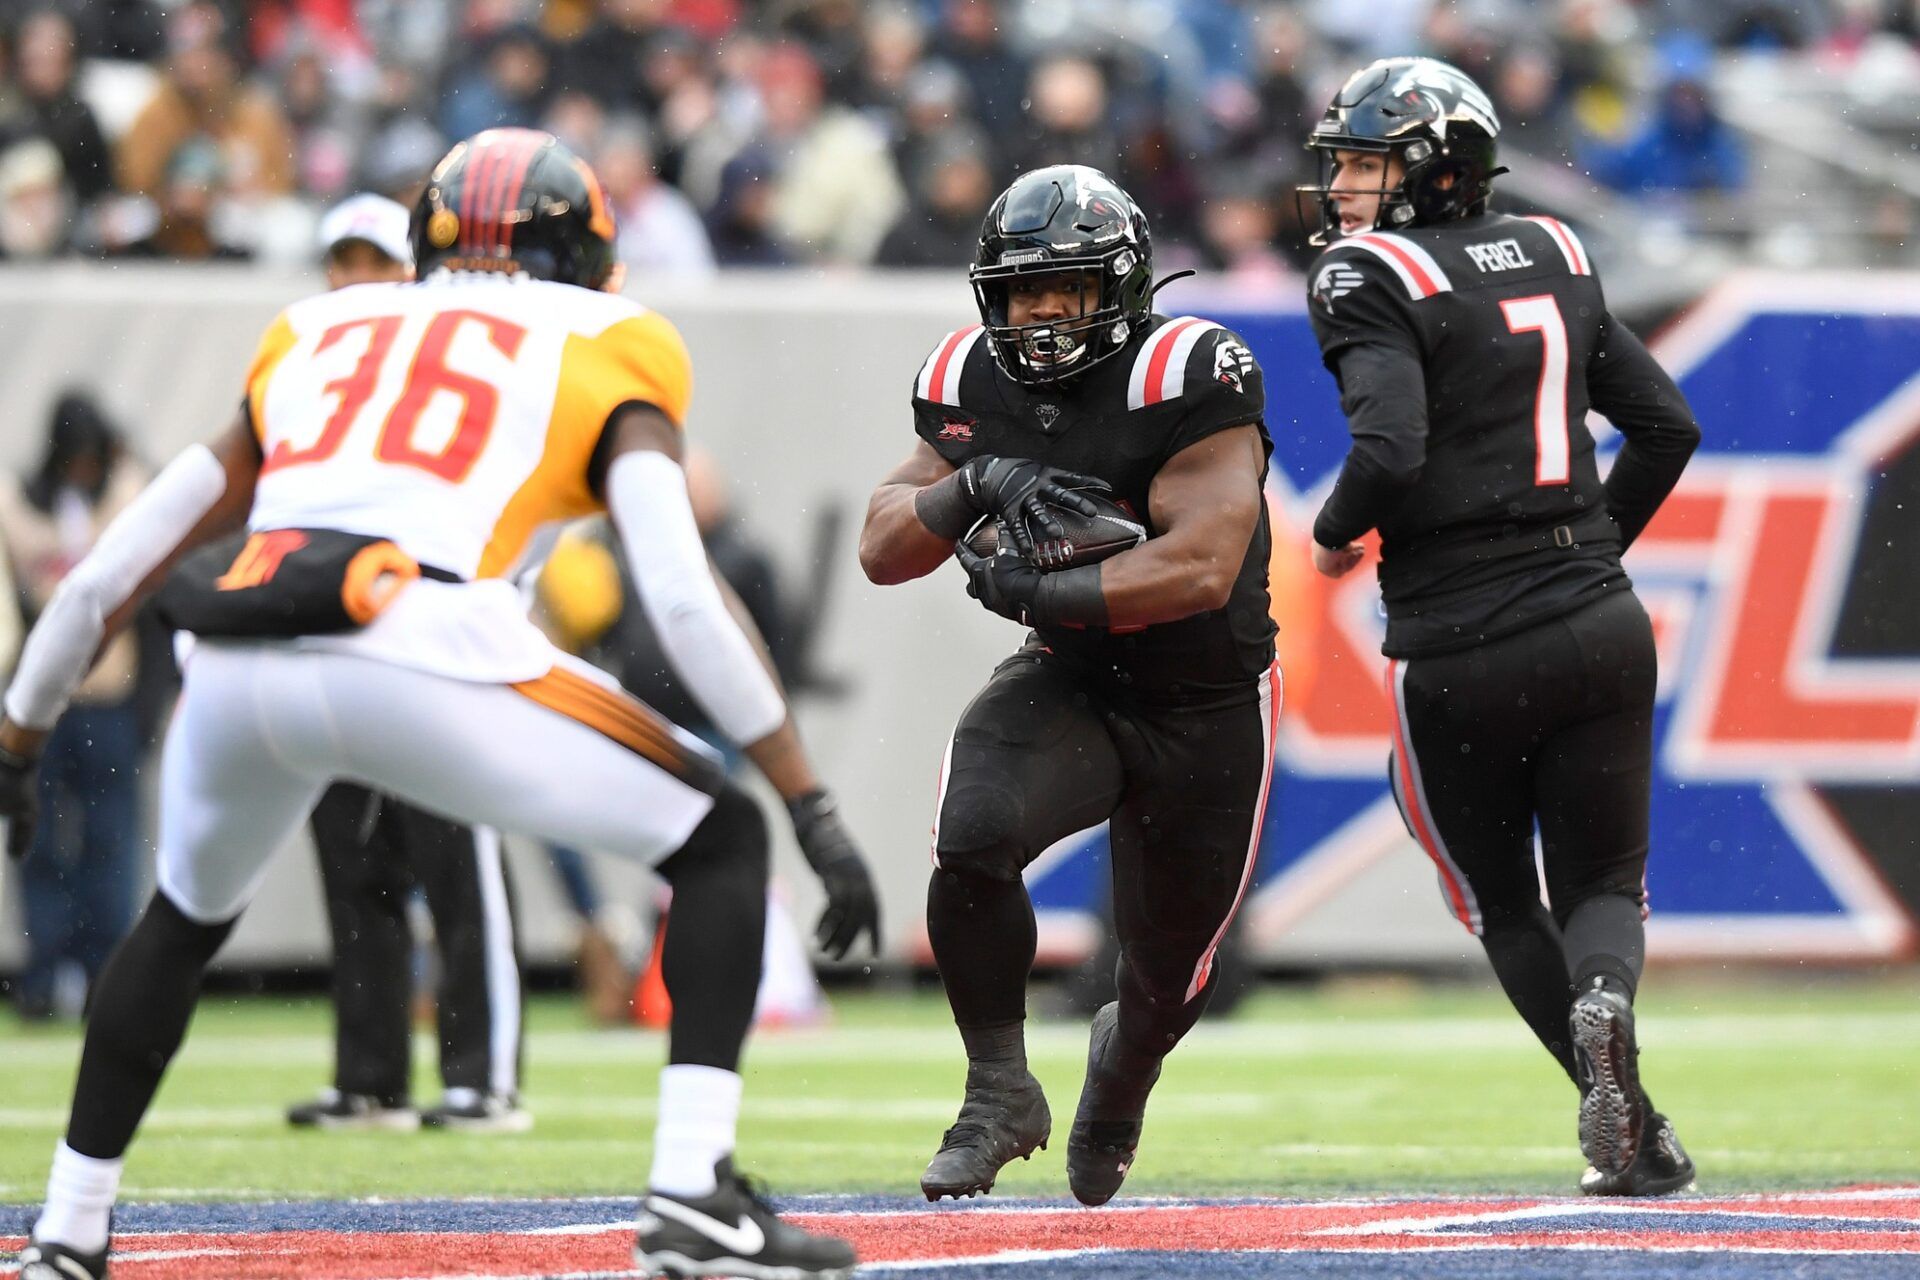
(1206, 584)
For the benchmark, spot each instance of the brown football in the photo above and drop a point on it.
(1084, 540)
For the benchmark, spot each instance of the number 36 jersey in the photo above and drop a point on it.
(454, 416)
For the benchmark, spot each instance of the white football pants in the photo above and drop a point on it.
(262, 729)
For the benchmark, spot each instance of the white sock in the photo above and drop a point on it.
(699, 1111)
(80, 1196)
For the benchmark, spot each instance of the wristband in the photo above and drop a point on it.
(944, 509)
(1072, 597)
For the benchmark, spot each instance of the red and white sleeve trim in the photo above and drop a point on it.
(1160, 367)
(1414, 266)
(939, 379)
(1569, 244)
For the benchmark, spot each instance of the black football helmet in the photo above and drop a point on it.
(1429, 114)
(1063, 218)
(515, 200)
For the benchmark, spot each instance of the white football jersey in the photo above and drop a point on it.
(454, 416)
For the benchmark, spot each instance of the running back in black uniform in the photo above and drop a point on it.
(1175, 383)
(1469, 347)
(1150, 701)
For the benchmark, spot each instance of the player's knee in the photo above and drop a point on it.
(980, 832)
(731, 843)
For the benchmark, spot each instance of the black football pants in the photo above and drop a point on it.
(1044, 751)
(370, 862)
(1550, 727)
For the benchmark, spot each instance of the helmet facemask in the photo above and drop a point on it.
(1045, 351)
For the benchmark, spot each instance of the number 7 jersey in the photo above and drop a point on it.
(454, 416)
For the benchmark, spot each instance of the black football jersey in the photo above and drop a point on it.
(1177, 381)
(1468, 355)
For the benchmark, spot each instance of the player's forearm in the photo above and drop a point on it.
(1363, 497)
(1168, 578)
(725, 673)
(783, 762)
(895, 543)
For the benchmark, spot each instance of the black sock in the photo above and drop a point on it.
(715, 932)
(983, 937)
(1606, 940)
(141, 1006)
(1529, 961)
(1150, 1026)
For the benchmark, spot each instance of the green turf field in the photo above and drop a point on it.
(1359, 1087)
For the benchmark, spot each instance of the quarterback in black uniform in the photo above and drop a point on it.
(1145, 695)
(1469, 347)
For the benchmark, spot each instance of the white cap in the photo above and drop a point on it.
(381, 222)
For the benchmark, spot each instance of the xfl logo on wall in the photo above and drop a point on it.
(1786, 812)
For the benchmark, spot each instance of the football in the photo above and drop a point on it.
(1085, 539)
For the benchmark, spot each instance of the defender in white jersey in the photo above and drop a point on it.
(398, 445)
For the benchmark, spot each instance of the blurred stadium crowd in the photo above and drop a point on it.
(810, 132)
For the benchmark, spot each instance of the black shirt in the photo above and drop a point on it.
(1468, 355)
(1175, 382)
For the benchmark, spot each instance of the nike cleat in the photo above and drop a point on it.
(336, 1110)
(732, 1231)
(1661, 1168)
(1003, 1116)
(58, 1262)
(1612, 1114)
(471, 1111)
(1106, 1125)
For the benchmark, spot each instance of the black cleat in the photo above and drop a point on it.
(58, 1262)
(1003, 1116)
(336, 1110)
(1661, 1168)
(732, 1232)
(1612, 1113)
(1106, 1125)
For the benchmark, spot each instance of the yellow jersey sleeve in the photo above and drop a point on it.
(641, 358)
(274, 345)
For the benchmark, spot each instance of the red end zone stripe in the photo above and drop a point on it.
(1403, 761)
(1157, 363)
(937, 384)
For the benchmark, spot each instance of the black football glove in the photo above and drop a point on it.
(1023, 495)
(1005, 583)
(852, 906)
(19, 801)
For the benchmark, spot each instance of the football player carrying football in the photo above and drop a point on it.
(397, 447)
(1469, 347)
(1146, 694)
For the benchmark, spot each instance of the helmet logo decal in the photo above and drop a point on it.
(443, 228)
(601, 221)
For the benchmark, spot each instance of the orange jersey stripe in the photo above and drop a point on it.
(614, 715)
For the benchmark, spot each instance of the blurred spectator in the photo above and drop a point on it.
(1525, 93)
(606, 60)
(399, 158)
(1684, 146)
(933, 115)
(179, 223)
(835, 188)
(941, 226)
(35, 209)
(507, 83)
(893, 47)
(46, 54)
(324, 131)
(741, 219)
(578, 121)
(660, 231)
(1068, 122)
(78, 882)
(201, 95)
(830, 30)
(1239, 223)
(973, 38)
(12, 630)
